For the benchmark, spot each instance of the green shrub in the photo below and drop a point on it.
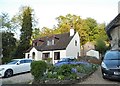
(64, 70)
(73, 76)
(49, 60)
(38, 68)
(84, 69)
(95, 66)
(50, 68)
(51, 75)
(61, 77)
(87, 69)
(6, 60)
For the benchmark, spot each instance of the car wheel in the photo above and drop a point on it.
(8, 73)
(103, 76)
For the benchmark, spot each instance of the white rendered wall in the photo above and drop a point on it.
(73, 50)
(37, 54)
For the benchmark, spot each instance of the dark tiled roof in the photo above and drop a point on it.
(112, 25)
(61, 42)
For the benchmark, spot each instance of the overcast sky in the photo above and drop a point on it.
(47, 10)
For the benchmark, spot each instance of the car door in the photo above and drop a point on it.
(27, 64)
(21, 66)
(18, 68)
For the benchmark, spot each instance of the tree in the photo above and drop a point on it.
(91, 29)
(102, 33)
(35, 33)
(26, 32)
(88, 29)
(8, 44)
(101, 46)
(5, 22)
(17, 20)
(79, 25)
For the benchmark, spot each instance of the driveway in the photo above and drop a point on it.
(21, 78)
(96, 78)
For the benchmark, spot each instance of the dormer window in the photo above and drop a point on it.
(53, 41)
(50, 42)
(35, 44)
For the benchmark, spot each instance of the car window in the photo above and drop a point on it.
(113, 55)
(28, 61)
(22, 61)
(13, 61)
(64, 59)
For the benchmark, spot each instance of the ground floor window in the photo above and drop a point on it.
(56, 55)
(45, 56)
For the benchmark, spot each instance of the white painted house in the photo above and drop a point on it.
(55, 47)
(93, 53)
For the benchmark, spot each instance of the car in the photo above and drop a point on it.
(70, 61)
(110, 66)
(15, 66)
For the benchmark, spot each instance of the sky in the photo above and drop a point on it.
(103, 11)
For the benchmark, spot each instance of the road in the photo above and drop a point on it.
(21, 78)
(96, 78)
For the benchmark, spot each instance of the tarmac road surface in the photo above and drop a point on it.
(96, 78)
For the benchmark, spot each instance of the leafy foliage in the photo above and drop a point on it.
(38, 68)
(64, 70)
(8, 44)
(5, 22)
(35, 33)
(101, 46)
(88, 29)
(6, 60)
(26, 32)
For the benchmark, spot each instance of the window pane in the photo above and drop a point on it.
(113, 55)
(45, 56)
(56, 55)
(22, 61)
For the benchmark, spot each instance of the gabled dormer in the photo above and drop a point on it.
(38, 42)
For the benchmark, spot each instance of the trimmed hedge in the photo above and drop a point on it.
(38, 68)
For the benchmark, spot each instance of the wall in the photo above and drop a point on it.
(37, 54)
(71, 49)
(93, 53)
(62, 54)
(115, 33)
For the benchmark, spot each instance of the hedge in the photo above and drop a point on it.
(38, 68)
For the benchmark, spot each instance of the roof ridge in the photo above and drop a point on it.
(51, 36)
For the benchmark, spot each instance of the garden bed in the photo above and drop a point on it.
(63, 75)
(57, 81)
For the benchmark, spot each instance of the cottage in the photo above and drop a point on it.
(86, 47)
(113, 31)
(55, 47)
(93, 53)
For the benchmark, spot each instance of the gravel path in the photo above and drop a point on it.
(21, 78)
(96, 78)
